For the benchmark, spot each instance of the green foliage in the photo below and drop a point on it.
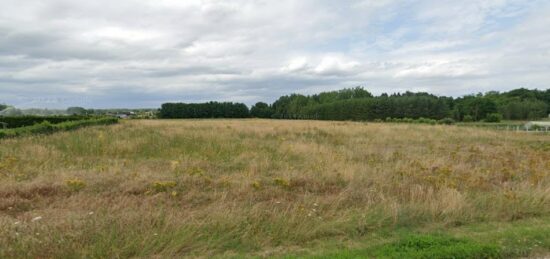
(475, 106)
(261, 110)
(396, 106)
(75, 185)
(523, 109)
(3, 106)
(436, 246)
(447, 121)
(281, 183)
(493, 117)
(358, 104)
(46, 127)
(22, 121)
(420, 120)
(468, 118)
(76, 111)
(204, 110)
(518, 104)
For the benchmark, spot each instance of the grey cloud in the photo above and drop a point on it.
(131, 53)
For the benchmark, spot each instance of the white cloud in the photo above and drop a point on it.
(142, 53)
(334, 65)
(296, 65)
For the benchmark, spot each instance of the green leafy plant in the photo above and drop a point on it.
(75, 185)
(447, 121)
(493, 117)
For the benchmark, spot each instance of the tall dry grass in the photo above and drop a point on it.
(233, 187)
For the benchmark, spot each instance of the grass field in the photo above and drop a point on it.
(258, 188)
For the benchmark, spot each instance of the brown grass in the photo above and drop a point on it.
(254, 186)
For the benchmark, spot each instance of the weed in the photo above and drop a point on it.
(282, 183)
(75, 185)
(163, 186)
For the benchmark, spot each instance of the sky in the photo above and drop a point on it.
(142, 53)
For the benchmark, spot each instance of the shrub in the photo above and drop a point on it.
(447, 121)
(75, 185)
(468, 118)
(256, 185)
(163, 186)
(493, 117)
(282, 183)
(46, 127)
(24, 121)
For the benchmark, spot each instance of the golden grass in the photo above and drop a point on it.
(226, 187)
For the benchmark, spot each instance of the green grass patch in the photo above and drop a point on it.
(517, 239)
(436, 246)
(424, 246)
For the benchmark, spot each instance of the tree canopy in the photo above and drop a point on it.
(204, 110)
(359, 104)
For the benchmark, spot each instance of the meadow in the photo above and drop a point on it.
(275, 188)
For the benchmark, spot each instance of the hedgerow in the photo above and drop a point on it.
(23, 121)
(46, 127)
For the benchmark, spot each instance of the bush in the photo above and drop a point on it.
(75, 185)
(23, 121)
(426, 121)
(46, 127)
(447, 121)
(493, 117)
(468, 118)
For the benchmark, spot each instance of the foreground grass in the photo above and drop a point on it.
(270, 188)
(520, 238)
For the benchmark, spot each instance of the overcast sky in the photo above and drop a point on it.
(138, 53)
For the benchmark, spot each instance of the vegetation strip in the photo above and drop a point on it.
(23, 121)
(46, 127)
(244, 188)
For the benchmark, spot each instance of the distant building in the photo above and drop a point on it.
(122, 116)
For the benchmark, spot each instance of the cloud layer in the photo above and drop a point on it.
(135, 53)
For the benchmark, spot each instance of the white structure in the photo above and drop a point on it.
(538, 124)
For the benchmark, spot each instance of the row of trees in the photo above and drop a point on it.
(10, 111)
(204, 110)
(519, 104)
(353, 104)
(359, 104)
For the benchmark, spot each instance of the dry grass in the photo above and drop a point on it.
(234, 187)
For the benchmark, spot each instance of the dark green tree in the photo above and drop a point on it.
(261, 110)
(76, 111)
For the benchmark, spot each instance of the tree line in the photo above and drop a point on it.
(358, 104)
(204, 110)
